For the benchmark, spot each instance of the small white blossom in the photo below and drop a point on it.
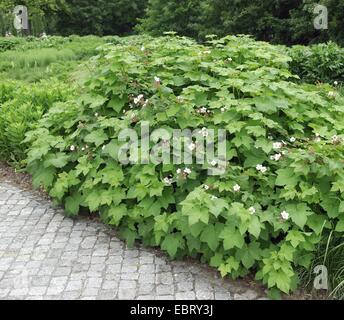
(230, 59)
(103, 148)
(331, 94)
(236, 188)
(187, 171)
(179, 171)
(157, 80)
(263, 169)
(207, 52)
(138, 99)
(203, 110)
(83, 148)
(292, 139)
(223, 110)
(206, 187)
(270, 137)
(143, 48)
(335, 83)
(276, 157)
(285, 215)
(252, 210)
(336, 139)
(168, 181)
(72, 148)
(277, 145)
(96, 114)
(204, 132)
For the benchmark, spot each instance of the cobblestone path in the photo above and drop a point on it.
(45, 255)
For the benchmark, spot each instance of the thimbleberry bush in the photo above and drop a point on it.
(283, 184)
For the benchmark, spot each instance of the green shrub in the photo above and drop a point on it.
(318, 63)
(287, 198)
(9, 43)
(21, 106)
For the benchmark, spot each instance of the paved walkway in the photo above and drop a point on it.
(44, 255)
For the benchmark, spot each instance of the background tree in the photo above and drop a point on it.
(277, 21)
(99, 17)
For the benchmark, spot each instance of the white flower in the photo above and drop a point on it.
(138, 99)
(187, 171)
(223, 110)
(103, 148)
(192, 147)
(203, 110)
(143, 48)
(236, 188)
(214, 163)
(96, 114)
(206, 187)
(331, 94)
(335, 83)
(72, 148)
(252, 210)
(285, 215)
(259, 167)
(83, 148)
(207, 52)
(157, 80)
(263, 169)
(230, 59)
(270, 137)
(168, 181)
(276, 157)
(213, 197)
(277, 145)
(292, 139)
(204, 132)
(179, 171)
(336, 139)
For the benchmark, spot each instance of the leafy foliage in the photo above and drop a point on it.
(318, 63)
(21, 106)
(272, 224)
